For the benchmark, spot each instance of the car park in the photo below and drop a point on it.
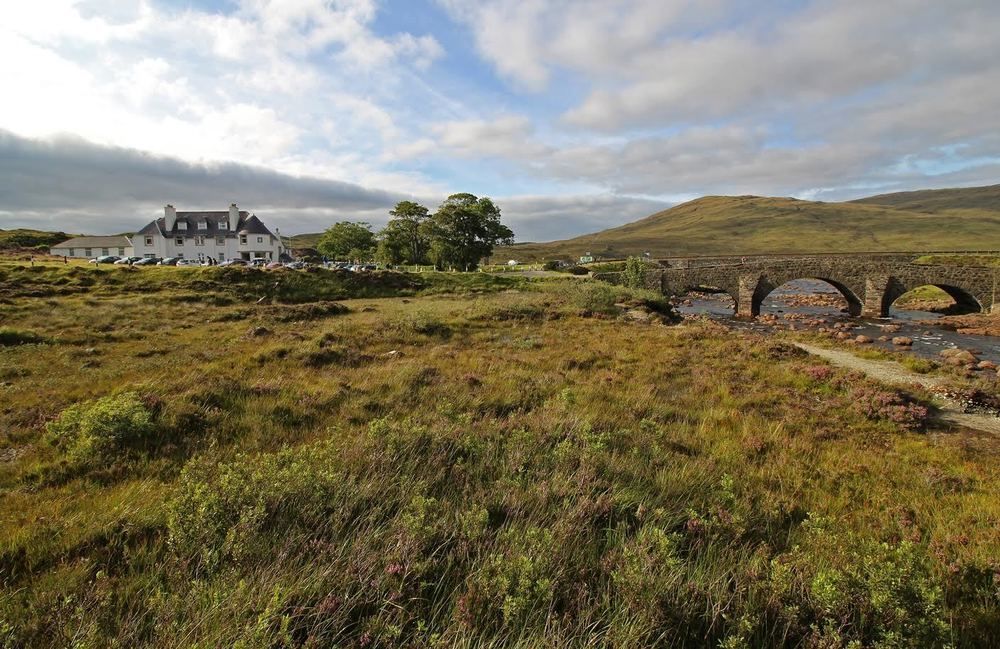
(105, 259)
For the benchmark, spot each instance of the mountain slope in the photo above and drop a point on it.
(753, 224)
(938, 200)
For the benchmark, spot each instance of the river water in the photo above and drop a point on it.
(929, 340)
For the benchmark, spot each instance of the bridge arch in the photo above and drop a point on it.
(964, 298)
(768, 284)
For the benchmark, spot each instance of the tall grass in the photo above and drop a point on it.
(516, 468)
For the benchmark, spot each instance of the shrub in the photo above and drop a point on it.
(878, 404)
(577, 270)
(98, 431)
(221, 510)
(634, 274)
(918, 365)
(11, 337)
(818, 373)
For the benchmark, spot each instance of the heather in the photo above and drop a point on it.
(462, 460)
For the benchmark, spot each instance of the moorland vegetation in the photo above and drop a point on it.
(233, 457)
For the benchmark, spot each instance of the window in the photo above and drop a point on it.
(202, 225)
(87, 252)
(220, 241)
(149, 255)
(104, 251)
(182, 225)
(149, 241)
(260, 239)
(243, 239)
(199, 241)
(121, 252)
(223, 225)
(72, 252)
(179, 241)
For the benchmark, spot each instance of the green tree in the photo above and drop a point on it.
(464, 230)
(403, 240)
(347, 240)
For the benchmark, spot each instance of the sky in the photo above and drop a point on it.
(573, 115)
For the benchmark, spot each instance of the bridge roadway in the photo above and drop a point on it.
(870, 283)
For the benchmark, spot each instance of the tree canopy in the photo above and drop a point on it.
(403, 240)
(459, 235)
(464, 230)
(347, 240)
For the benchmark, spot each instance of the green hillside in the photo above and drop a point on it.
(753, 224)
(934, 201)
(24, 238)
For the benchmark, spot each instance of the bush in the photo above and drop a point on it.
(878, 404)
(577, 270)
(99, 431)
(867, 594)
(11, 337)
(634, 274)
(221, 510)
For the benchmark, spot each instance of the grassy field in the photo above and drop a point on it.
(213, 458)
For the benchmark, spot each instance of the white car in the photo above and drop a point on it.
(188, 262)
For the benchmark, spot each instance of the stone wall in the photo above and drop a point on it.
(870, 284)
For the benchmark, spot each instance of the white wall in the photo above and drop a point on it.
(230, 249)
(90, 253)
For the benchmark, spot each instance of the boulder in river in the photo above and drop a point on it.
(958, 357)
(987, 365)
(862, 340)
(841, 335)
(902, 341)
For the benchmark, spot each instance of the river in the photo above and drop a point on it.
(786, 304)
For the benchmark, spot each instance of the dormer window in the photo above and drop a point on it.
(202, 225)
(182, 225)
(223, 225)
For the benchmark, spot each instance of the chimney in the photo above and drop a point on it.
(169, 217)
(234, 216)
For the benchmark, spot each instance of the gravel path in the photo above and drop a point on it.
(890, 372)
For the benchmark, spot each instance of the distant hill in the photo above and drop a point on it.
(933, 201)
(25, 238)
(303, 240)
(958, 219)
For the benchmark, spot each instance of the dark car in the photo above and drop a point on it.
(147, 261)
(168, 261)
(234, 262)
(105, 259)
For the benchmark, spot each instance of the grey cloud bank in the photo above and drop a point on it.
(68, 184)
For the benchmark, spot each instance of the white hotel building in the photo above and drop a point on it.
(222, 235)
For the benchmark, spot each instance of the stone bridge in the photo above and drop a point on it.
(869, 283)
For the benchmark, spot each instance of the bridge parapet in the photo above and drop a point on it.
(869, 284)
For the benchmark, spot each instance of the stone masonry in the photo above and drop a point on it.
(869, 283)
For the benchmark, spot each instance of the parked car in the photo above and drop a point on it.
(105, 259)
(126, 260)
(274, 265)
(296, 265)
(168, 261)
(235, 262)
(188, 262)
(147, 261)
